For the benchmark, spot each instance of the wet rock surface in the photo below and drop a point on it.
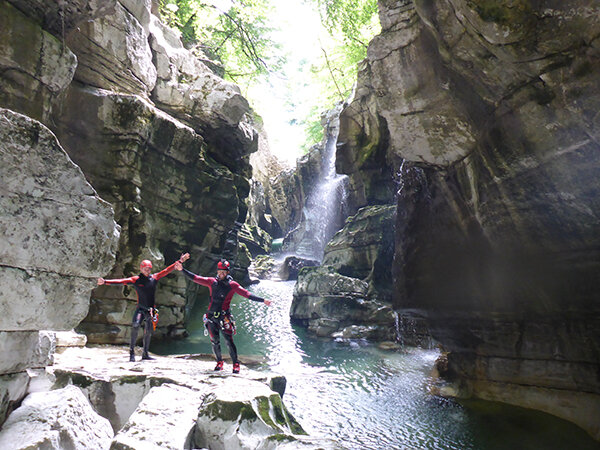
(489, 136)
(329, 304)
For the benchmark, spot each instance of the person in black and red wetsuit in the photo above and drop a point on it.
(145, 287)
(218, 317)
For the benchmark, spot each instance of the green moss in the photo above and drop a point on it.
(82, 381)
(230, 411)
(293, 423)
(280, 417)
(264, 407)
(132, 379)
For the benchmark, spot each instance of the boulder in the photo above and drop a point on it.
(26, 349)
(164, 419)
(58, 234)
(35, 67)
(65, 339)
(56, 420)
(293, 264)
(13, 387)
(262, 267)
(238, 418)
(327, 302)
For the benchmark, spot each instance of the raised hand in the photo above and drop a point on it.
(268, 302)
(184, 257)
(178, 265)
(100, 281)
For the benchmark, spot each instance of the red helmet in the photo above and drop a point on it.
(223, 265)
(145, 263)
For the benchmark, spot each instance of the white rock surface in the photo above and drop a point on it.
(156, 404)
(22, 350)
(57, 234)
(60, 419)
(165, 419)
(70, 339)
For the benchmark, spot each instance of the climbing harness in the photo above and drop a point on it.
(223, 319)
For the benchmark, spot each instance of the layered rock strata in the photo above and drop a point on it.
(494, 109)
(177, 184)
(353, 285)
(58, 235)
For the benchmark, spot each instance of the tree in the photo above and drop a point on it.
(238, 37)
(351, 25)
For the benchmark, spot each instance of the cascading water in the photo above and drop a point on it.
(322, 215)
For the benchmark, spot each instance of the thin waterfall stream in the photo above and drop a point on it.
(322, 214)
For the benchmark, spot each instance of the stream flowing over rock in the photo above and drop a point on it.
(481, 120)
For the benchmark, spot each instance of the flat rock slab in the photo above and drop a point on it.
(174, 401)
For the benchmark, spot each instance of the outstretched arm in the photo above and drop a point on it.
(245, 293)
(167, 270)
(129, 280)
(192, 276)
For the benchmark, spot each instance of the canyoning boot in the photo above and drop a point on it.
(236, 368)
(219, 365)
(148, 357)
(132, 356)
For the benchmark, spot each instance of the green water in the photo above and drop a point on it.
(367, 398)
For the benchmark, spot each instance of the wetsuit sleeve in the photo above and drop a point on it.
(164, 272)
(197, 278)
(122, 280)
(244, 293)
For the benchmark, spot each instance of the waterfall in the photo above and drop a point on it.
(322, 214)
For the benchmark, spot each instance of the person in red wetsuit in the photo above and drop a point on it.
(145, 286)
(218, 317)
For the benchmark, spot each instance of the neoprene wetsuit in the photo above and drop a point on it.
(221, 293)
(145, 287)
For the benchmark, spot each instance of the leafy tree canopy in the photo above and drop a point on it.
(241, 37)
(237, 36)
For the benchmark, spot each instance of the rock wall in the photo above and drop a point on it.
(156, 133)
(349, 296)
(57, 236)
(485, 114)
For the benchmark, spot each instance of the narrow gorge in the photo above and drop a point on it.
(437, 253)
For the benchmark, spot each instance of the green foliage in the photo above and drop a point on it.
(238, 38)
(351, 25)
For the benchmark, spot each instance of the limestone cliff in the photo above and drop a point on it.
(483, 118)
(156, 133)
